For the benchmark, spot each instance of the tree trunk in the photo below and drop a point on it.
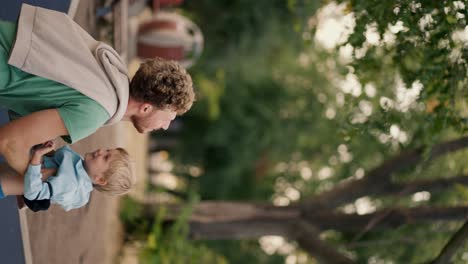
(241, 229)
(238, 220)
(457, 241)
(308, 239)
(232, 220)
(437, 184)
(377, 179)
(390, 218)
(213, 220)
(224, 211)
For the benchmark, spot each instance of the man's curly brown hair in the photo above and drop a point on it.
(164, 84)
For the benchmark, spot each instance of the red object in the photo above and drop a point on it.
(170, 36)
(156, 24)
(152, 50)
(157, 4)
(169, 2)
(169, 53)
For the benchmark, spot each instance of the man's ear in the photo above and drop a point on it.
(146, 108)
(100, 181)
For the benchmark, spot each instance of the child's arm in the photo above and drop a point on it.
(34, 186)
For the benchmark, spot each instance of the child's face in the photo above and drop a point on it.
(98, 162)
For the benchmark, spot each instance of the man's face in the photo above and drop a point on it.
(153, 120)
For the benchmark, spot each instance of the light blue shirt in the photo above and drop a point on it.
(71, 187)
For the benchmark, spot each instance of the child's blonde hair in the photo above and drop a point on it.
(119, 176)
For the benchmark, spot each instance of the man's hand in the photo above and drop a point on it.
(18, 136)
(40, 150)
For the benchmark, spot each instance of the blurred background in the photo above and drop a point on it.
(323, 131)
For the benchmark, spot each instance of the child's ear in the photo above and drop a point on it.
(101, 181)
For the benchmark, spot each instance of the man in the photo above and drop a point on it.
(64, 83)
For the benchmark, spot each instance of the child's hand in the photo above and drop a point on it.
(40, 150)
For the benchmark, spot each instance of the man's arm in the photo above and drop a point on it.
(18, 136)
(12, 183)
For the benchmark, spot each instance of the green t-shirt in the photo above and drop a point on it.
(25, 93)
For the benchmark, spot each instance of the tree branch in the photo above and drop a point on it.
(308, 238)
(437, 184)
(377, 179)
(241, 229)
(447, 147)
(232, 220)
(452, 246)
(392, 218)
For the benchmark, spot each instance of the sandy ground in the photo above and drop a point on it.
(91, 234)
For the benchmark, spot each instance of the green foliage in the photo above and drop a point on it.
(244, 251)
(225, 23)
(136, 226)
(272, 113)
(213, 90)
(162, 244)
(257, 127)
(409, 244)
(130, 210)
(426, 50)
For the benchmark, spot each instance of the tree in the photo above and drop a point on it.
(420, 43)
(305, 221)
(455, 242)
(283, 120)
